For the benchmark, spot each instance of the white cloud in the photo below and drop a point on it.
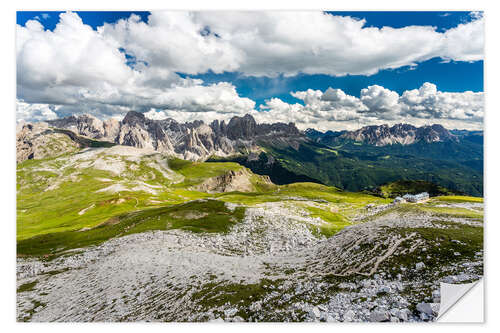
(464, 42)
(72, 55)
(173, 40)
(75, 69)
(312, 42)
(34, 112)
(380, 101)
(336, 110)
(155, 114)
(428, 102)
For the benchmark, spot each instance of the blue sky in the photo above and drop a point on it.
(451, 74)
(448, 76)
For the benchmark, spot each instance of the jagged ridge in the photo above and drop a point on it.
(192, 141)
(382, 135)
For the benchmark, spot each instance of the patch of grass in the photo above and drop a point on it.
(27, 286)
(196, 172)
(195, 216)
(441, 245)
(242, 295)
(248, 198)
(402, 187)
(41, 211)
(429, 207)
(452, 211)
(44, 208)
(36, 304)
(261, 185)
(335, 221)
(57, 271)
(459, 198)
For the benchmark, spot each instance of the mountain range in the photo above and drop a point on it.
(194, 141)
(352, 160)
(198, 141)
(382, 135)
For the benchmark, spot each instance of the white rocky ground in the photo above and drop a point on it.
(270, 267)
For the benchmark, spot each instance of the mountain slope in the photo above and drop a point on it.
(166, 239)
(364, 167)
(352, 160)
(83, 189)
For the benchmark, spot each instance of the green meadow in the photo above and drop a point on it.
(62, 205)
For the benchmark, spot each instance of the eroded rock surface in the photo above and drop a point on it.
(272, 266)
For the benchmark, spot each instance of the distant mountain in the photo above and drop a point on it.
(190, 141)
(375, 155)
(471, 136)
(382, 135)
(351, 160)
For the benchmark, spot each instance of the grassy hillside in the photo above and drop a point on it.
(358, 167)
(195, 216)
(75, 199)
(73, 192)
(85, 198)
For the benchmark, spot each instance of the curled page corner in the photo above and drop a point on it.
(461, 302)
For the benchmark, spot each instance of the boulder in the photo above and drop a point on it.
(349, 316)
(430, 309)
(436, 296)
(384, 289)
(379, 316)
(315, 313)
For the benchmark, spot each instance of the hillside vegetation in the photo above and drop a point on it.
(85, 198)
(126, 234)
(356, 166)
(402, 187)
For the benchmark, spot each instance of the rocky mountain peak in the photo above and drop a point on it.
(381, 135)
(241, 127)
(192, 140)
(133, 118)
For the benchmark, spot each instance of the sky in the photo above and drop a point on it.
(325, 70)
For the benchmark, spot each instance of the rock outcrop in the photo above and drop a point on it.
(35, 141)
(228, 182)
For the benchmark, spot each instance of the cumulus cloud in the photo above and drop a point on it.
(312, 42)
(173, 40)
(428, 102)
(380, 102)
(72, 55)
(78, 69)
(333, 109)
(34, 112)
(133, 65)
(464, 42)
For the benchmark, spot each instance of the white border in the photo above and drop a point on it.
(7, 132)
